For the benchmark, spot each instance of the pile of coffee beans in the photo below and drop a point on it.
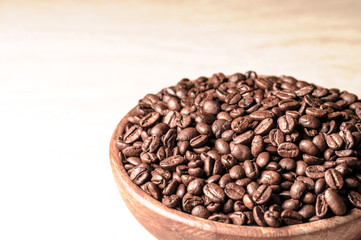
(247, 150)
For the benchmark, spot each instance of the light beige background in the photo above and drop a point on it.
(69, 70)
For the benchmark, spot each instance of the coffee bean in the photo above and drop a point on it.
(273, 218)
(297, 189)
(315, 171)
(172, 162)
(276, 137)
(264, 126)
(334, 179)
(195, 187)
(288, 150)
(292, 204)
(262, 194)
(291, 217)
(240, 124)
(261, 115)
(241, 152)
(270, 178)
(251, 169)
(316, 112)
(244, 138)
(151, 189)
(308, 147)
(334, 141)
(286, 124)
(335, 202)
(258, 215)
(236, 172)
(287, 164)
(211, 107)
(238, 218)
(220, 218)
(257, 145)
(309, 121)
(214, 192)
(263, 159)
(234, 191)
(172, 201)
(200, 211)
(132, 135)
(189, 202)
(150, 119)
(321, 206)
(307, 211)
(354, 198)
(198, 141)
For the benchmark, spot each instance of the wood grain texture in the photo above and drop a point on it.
(165, 223)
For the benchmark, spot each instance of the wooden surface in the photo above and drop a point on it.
(70, 70)
(165, 223)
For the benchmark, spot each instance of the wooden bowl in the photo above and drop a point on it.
(169, 224)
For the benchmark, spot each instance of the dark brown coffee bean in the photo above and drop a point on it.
(261, 115)
(244, 138)
(316, 112)
(195, 187)
(257, 145)
(159, 129)
(258, 215)
(288, 104)
(150, 119)
(354, 198)
(297, 189)
(172, 162)
(214, 192)
(334, 179)
(309, 121)
(189, 202)
(140, 174)
(288, 150)
(238, 218)
(171, 187)
(334, 141)
(198, 141)
(247, 200)
(315, 171)
(287, 164)
(291, 204)
(200, 211)
(286, 124)
(172, 201)
(220, 218)
(320, 142)
(240, 124)
(132, 135)
(211, 107)
(310, 184)
(312, 160)
(264, 126)
(151, 189)
(291, 217)
(263, 159)
(273, 218)
(276, 137)
(262, 194)
(321, 206)
(251, 169)
(222, 146)
(335, 202)
(236, 172)
(307, 211)
(349, 161)
(270, 178)
(241, 152)
(308, 147)
(234, 191)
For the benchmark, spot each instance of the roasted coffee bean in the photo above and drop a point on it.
(287, 164)
(189, 202)
(354, 198)
(276, 137)
(288, 150)
(291, 204)
(151, 189)
(220, 218)
(238, 218)
(315, 171)
(270, 178)
(222, 146)
(335, 202)
(240, 124)
(286, 124)
(251, 169)
(321, 206)
(308, 147)
(172, 162)
(264, 126)
(334, 179)
(316, 112)
(273, 218)
(150, 119)
(291, 217)
(200, 211)
(228, 161)
(187, 134)
(263, 159)
(262, 194)
(236, 172)
(234, 191)
(244, 138)
(261, 115)
(258, 215)
(195, 187)
(140, 174)
(198, 141)
(309, 121)
(226, 178)
(172, 201)
(214, 192)
(307, 211)
(297, 189)
(241, 152)
(334, 141)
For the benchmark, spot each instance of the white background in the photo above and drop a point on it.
(69, 71)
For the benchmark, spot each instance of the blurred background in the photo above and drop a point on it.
(69, 71)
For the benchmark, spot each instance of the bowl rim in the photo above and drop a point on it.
(136, 192)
